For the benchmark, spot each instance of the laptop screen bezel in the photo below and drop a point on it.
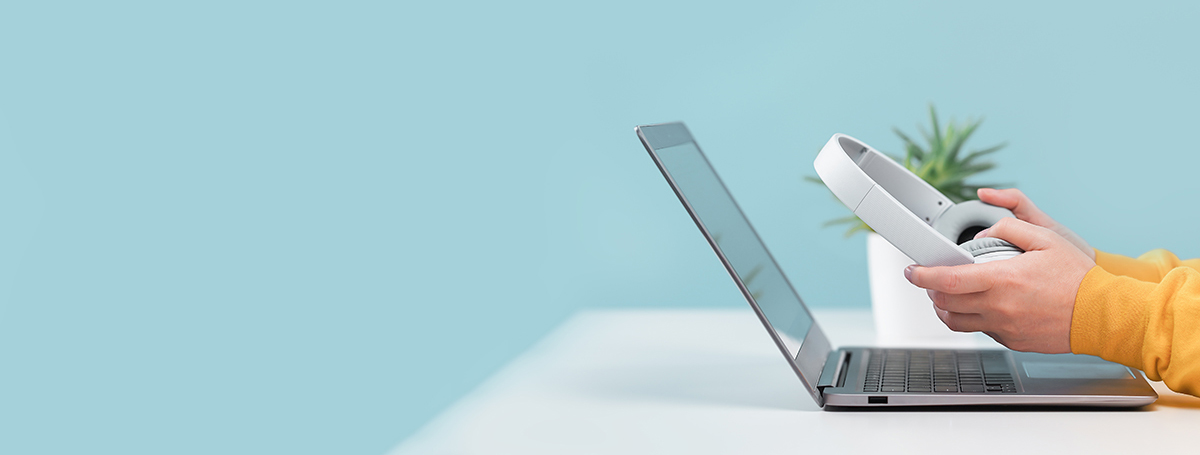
(815, 348)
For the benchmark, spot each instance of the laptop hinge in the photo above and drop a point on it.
(833, 375)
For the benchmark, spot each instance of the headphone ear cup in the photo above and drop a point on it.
(962, 221)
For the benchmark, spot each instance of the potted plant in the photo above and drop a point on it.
(903, 313)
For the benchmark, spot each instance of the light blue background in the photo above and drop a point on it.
(252, 227)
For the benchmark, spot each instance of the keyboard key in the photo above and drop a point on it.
(926, 371)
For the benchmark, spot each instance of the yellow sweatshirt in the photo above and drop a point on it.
(1144, 313)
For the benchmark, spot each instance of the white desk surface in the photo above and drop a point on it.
(711, 381)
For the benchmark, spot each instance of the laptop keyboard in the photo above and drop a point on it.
(922, 371)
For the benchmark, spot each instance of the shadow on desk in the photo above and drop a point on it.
(1171, 399)
(1184, 402)
(765, 383)
(761, 383)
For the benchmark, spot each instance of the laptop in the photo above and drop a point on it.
(853, 377)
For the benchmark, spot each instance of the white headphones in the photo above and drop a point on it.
(920, 221)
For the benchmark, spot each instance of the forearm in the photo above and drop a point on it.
(1151, 326)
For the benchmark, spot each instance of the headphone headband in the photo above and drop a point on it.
(890, 199)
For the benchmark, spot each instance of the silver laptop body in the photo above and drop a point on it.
(864, 376)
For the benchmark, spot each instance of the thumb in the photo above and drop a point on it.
(1026, 236)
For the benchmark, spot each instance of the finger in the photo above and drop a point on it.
(961, 322)
(999, 198)
(1024, 235)
(961, 279)
(975, 303)
(1016, 201)
(983, 233)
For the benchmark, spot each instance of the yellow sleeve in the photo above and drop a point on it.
(1151, 266)
(1151, 326)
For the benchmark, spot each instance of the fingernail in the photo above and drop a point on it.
(908, 272)
(982, 233)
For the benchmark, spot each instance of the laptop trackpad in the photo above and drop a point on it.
(1055, 370)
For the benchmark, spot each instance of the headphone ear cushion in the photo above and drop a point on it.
(962, 221)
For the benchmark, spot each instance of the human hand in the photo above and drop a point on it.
(1021, 206)
(1025, 302)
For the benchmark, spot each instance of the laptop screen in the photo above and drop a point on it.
(730, 232)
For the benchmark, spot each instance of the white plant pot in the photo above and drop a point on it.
(903, 313)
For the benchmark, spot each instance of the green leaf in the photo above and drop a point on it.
(937, 131)
(928, 139)
(752, 274)
(960, 138)
(911, 149)
(842, 220)
(860, 227)
(974, 155)
(973, 169)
